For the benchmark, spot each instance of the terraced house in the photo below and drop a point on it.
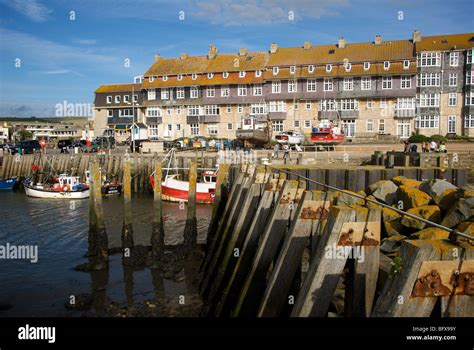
(379, 89)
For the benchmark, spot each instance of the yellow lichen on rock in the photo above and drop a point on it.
(413, 197)
(402, 180)
(431, 233)
(428, 212)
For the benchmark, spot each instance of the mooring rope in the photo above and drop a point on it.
(366, 199)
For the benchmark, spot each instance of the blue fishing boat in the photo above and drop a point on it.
(8, 184)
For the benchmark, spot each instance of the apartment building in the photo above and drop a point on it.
(373, 89)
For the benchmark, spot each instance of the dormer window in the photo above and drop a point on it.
(194, 76)
(406, 64)
(210, 75)
(117, 99)
(241, 74)
(180, 77)
(366, 65)
(328, 68)
(292, 69)
(126, 99)
(165, 77)
(275, 70)
(151, 79)
(348, 67)
(311, 69)
(386, 65)
(258, 73)
(225, 75)
(109, 99)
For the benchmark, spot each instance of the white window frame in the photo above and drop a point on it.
(135, 98)
(366, 66)
(452, 99)
(383, 103)
(228, 109)
(240, 108)
(386, 65)
(406, 64)
(210, 91)
(370, 103)
(110, 113)
(453, 79)
(180, 93)
(194, 92)
(308, 105)
(194, 76)
(211, 110)
(292, 69)
(258, 73)
(194, 129)
(151, 95)
(469, 99)
(429, 59)
(275, 70)
(427, 122)
(276, 87)
(210, 75)
(348, 66)
(165, 77)
(225, 91)
(242, 90)
(225, 75)
(469, 121)
(454, 59)
(165, 94)
(296, 124)
(366, 83)
(292, 86)
(126, 98)
(242, 74)
(230, 126)
(311, 85)
(469, 56)
(109, 99)
(429, 100)
(387, 83)
(429, 79)
(311, 69)
(277, 125)
(405, 82)
(307, 124)
(180, 77)
(328, 84)
(257, 90)
(153, 111)
(348, 84)
(328, 68)
(277, 106)
(470, 77)
(451, 129)
(117, 98)
(369, 122)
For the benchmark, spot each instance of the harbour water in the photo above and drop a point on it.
(59, 228)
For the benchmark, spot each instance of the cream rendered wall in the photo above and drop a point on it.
(100, 120)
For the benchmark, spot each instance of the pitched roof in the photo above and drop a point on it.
(357, 52)
(445, 42)
(201, 64)
(119, 88)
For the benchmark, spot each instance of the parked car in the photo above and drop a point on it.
(27, 147)
(78, 143)
(138, 145)
(63, 145)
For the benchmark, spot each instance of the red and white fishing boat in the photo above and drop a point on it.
(68, 187)
(173, 189)
(327, 134)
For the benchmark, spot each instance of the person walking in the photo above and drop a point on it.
(442, 148)
(433, 146)
(426, 147)
(276, 148)
(286, 151)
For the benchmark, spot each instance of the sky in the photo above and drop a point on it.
(59, 51)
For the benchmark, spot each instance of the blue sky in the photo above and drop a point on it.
(66, 60)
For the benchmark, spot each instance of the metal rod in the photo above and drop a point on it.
(399, 211)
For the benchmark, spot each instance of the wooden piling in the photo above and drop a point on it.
(325, 269)
(158, 231)
(254, 285)
(127, 229)
(289, 261)
(190, 229)
(98, 241)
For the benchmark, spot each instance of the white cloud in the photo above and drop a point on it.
(257, 12)
(32, 9)
(85, 41)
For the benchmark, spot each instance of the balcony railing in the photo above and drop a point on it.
(405, 112)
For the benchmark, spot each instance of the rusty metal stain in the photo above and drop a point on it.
(288, 196)
(446, 274)
(315, 210)
(465, 283)
(430, 285)
(359, 234)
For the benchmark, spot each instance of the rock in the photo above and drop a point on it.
(466, 227)
(436, 188)
(389, 214)
(428, 212)
(391, 244)
(412, 197)
(386, 192)
(431, 233)
(347, 199)
(448, 198)
(393, 228)
(462, 210)
(372, 188)
(402, 180)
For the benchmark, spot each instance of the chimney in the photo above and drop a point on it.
(157, 57)
(416, 36)
(306, 45)
(212, 52)
(273, 48)
(378, 40)
(184, 55)
(242, 51)
(342, 43)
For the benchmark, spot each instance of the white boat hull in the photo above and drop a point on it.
(37, 193)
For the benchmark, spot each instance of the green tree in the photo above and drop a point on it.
(25, 135)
